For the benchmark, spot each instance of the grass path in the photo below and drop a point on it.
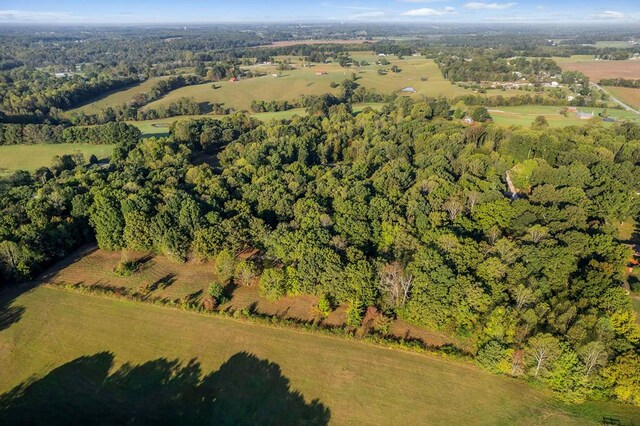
(360, 383)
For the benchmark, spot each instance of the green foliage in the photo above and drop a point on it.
(245, 272)
(325, 305)
(273, 284)
(125, 268)
(217, 292)
(354, 313)
(225, 265)
(495, 356)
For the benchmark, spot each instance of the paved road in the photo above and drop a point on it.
(616, 100)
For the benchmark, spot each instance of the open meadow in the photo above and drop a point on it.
(123, 359)
(30, 157)
(525, 115)
(423, 75)
(116, 97)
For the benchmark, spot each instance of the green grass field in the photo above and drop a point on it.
(524, 115)
(85, 354)
(30, 157)
(575, 58)
(116, 97)
(617, 44)
(417, 72)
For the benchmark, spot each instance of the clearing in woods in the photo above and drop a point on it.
(82, 343)
(116, 97)
(30, 157)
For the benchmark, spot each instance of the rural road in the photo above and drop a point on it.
(616, 100)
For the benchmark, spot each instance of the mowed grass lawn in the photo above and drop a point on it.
(30, 157)
(358, 383)
(524, 115)
(116, 97)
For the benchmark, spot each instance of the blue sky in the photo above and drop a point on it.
(203, 11)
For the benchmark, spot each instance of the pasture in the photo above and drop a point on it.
(628, 95)
(417, 72)
(524, 115)
(78, 355)
(116, 97)
(30, 157)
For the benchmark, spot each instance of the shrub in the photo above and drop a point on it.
(215, 290)
(209, 303)
(225, 265)
(273, 284)
(245, 273)
(125, 268)
(354, 314)
(495, 357)
(324, 305)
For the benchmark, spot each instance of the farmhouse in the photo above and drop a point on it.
(409, 90)
(321, 72)
(468, 120)
(233, 79)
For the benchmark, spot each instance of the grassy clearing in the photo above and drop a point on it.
(116, 97)
(573, 59)
(628, 95)
(359, 383)
(616, 44)
(30, 157)
(524, 115)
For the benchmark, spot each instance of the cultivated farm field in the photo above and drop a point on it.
(628, 95)
(30, 157)
(599, 70)
(125, 360)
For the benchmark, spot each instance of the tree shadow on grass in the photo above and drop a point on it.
(9, 313)
(245, 390)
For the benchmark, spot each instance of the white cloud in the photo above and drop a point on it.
(426, 11)
(367, 15)
(421, 1)
(491, 6)
(36, 16)
(609, 14)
